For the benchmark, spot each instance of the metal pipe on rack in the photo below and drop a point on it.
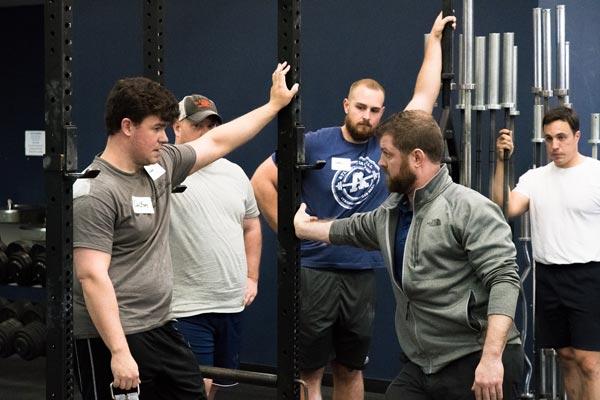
(508, 41)
(514, 80)
(538, 113)
(514, 112)
(537, 51)
(468, 39)
(547, 56)
(568, 74)
(479, 98)
(560, 91)
(538, 137)
(493, 103)
(460, 104)
(479, 106)
(560, 47)
(467, 89)
(595, 134)
(540, 75)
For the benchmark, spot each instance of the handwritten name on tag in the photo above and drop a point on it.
(142, 205)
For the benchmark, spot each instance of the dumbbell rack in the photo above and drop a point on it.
(22, 329)
(20, 232)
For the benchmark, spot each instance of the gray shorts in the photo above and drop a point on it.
(336, 317)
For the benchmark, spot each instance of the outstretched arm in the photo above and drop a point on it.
(225, 138)
(429, 78)
(309, 227)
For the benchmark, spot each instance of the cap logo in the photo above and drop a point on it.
(204, 103)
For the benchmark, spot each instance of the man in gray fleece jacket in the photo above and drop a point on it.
(451, 261)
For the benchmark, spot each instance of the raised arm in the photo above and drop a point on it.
(429, 78)
(517, 203)
(264, 183)
(225, 138)
(91, 268)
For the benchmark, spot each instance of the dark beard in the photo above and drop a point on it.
(359, 132)
(402, 184)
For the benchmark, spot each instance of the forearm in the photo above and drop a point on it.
(495, 338)
(227, 137)
(101, 303)
(253, 246)
(268, 209)
(314, 230)
(429, 78)
(498, 184)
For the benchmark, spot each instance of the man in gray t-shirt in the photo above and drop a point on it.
(216, 262)
(120, 237)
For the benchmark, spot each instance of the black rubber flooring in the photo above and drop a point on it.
(25, 380)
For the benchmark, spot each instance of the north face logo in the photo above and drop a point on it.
(434, 222)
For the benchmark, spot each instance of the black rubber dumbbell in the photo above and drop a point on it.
(30, 341)
(38, 259)
(8, 330)
(3, 268)
(33, 313)
(20, 263)
(13, 310)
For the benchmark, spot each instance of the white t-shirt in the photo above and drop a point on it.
(564, 205)
(207, 240)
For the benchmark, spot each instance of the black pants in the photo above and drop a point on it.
(454, 381)
(168, 369)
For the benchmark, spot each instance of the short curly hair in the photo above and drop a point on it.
(137, 98)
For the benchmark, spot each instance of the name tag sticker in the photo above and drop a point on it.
(154, 170)
(341, 164)
(142, 205)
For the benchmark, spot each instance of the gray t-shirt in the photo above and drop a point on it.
(207, 240)
(127, 215)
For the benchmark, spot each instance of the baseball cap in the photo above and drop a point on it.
(196, 107)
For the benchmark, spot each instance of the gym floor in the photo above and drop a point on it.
(24, 380)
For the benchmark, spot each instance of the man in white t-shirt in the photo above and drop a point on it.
(563, 199)
(215, 241)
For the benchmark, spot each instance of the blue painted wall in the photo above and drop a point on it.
(21, 102)
(227, 50)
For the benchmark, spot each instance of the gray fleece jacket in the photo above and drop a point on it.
(459, 267)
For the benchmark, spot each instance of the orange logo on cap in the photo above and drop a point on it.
(204, 103)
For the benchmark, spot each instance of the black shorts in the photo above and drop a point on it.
(568, 306)
(454, 381)
(336, 317)
(167, 366)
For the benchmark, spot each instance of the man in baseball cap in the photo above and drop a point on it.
(216, 257)
(196, 108)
